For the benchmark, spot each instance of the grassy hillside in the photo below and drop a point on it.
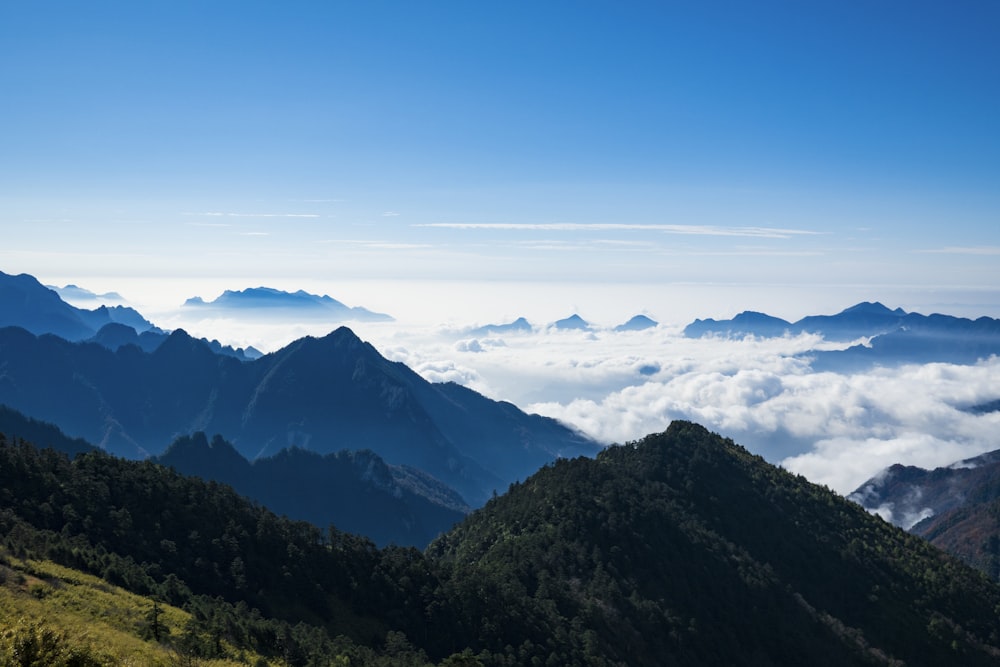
(53, 615)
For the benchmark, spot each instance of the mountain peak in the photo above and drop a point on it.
(637, 323)
(872, 308)
(574, 321)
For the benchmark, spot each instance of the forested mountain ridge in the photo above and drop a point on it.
(678, 549)
(685, 549)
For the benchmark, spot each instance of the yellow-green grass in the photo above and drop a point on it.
(88, 613)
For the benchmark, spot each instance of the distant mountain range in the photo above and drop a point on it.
(74, 293)
(956, 508)
(26, 303)
(573, 322)
(324, 395)
(268, 303)
(895, 336)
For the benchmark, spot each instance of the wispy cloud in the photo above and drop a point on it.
(688, 230)
(390, 214)
(964, 250)
(220, 214)
(379, 245)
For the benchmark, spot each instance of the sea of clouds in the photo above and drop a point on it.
(837, 429)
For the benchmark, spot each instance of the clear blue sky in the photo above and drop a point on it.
(269, 143)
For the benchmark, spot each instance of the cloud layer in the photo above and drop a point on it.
(837, 429)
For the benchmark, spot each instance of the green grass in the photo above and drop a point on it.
(56, 610)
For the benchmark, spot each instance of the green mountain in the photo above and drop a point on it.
(680, 549)
(685, 549)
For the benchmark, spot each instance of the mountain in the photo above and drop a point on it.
(861, 320)
(520, 325)
(70, 293)
(114, 336)
(26, 303)
(747, 323)
(637, 323)
(265, 302)
(18, 426)
(573, 322)
(354, 491)
(684, 549)
(322, 394)
(895, 336)
(679, 549)
(956, 508)
(400, 505)
(920, 339)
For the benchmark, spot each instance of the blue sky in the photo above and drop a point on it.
(793, 149)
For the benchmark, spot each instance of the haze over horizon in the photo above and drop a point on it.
(733, 156)
(456, 163)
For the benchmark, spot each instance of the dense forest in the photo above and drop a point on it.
(679, 549)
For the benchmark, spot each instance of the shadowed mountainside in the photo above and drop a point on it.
(322, 394)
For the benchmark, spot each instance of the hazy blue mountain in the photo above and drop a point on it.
(265, 302)
(114, 336)
(16, 425)
(920, 339)
(956, 508)
(322, 394)
(746, 323)
(26, 303)
(894, 336)
(520, 325)
(572, 322)
(637, 323)
(74, 293)
(355, 491)
(861, 320)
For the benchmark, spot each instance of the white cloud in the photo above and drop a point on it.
(836, 429)
(694, 230)
(965, 250)
(220, 214)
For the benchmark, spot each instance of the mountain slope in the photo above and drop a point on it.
(354, 491)
(26, 303)
(53, 615)
(956, 508)
(322, 394)
(685, 549)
